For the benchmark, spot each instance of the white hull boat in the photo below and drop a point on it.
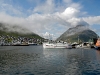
(56, 45)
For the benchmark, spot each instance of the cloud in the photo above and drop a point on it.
(7, 7)
(92, 19)
(47, 20)
(49, 36)
(70, 12)
(40, 23)
(46, 7)
(5, 18)
(49, 16)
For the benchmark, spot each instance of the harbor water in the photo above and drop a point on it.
(34, 60)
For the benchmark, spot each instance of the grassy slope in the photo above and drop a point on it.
(15, 34)
(83, 36)
(3, 31)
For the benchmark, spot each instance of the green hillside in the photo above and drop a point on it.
(4, 30)
(16, 34)
(76, 35)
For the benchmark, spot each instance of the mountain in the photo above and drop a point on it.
(15, 30)
(80, 32)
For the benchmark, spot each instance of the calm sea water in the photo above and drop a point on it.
(34, 60)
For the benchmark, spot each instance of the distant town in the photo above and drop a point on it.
(6, 40)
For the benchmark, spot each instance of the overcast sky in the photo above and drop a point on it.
(51, 16)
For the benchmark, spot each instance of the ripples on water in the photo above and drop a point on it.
(34, 60)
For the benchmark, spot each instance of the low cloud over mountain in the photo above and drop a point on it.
(81, 32)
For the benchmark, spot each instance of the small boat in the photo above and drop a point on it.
(56, 45)
(97, 46)
(31, 44)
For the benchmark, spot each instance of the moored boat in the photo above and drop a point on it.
(56, 45)
(31, 44)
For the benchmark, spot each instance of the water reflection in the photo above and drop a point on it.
(74, 61)
(98, 55)
(35, 60)
(18, 60)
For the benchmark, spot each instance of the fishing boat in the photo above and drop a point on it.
(56, 45)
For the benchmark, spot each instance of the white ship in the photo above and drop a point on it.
(56, 45)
